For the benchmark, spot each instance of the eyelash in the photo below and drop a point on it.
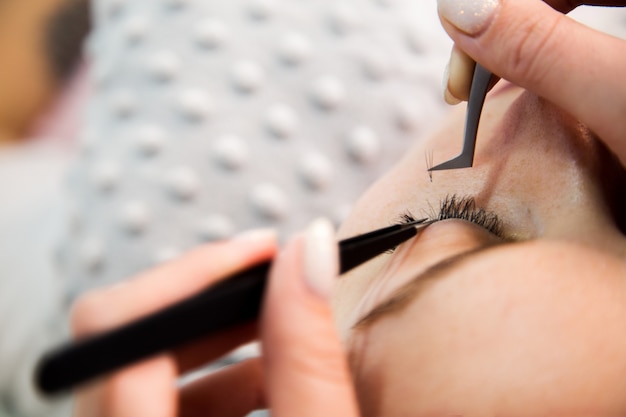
(464, 208)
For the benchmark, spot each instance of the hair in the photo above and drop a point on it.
(65, 33)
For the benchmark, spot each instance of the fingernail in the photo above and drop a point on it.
(469, 16)
(321, 257)
(255, 235)
(460, 71)
(447, 95)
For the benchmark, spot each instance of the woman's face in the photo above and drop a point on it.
(459, 321)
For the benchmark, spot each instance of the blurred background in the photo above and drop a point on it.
(131, 131)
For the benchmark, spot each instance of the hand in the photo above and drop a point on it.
(303, 370)
(534, 45)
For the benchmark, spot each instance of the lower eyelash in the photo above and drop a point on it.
(464, 208)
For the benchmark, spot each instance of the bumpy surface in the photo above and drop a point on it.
(211, 117)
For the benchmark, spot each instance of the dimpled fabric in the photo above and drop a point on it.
(212, 117)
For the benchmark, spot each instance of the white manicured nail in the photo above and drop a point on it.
(447, 96)
(460, 71)
(469, 16)
(321, 257)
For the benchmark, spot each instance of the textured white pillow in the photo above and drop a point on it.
(211, 117)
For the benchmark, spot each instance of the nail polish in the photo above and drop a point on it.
(469, 16)
(447, 96)
(321, 257)
(460, 73)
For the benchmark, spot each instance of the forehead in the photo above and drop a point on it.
(527, 163)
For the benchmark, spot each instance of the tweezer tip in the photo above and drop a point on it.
(451, 164)
(421, 222)
(415, 223)
(445, 168)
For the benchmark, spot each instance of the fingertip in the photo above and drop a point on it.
(447, 96)
(536, 47)
(450, 99)
(301, 347)
(469, 16)
(459, 76)
(321, 260)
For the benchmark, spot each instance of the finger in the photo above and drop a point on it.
(204, 351)
(145, 389)
(460, 69)
(305, 366)
(234, 391)
(566, 6)
(458, 77)
(153, 290)
(534, 46)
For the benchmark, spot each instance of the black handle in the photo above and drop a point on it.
(230, 302)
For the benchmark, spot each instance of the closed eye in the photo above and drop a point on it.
(464, 208)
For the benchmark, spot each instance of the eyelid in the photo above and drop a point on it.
(456, 234)
(406, 294)
(439, 248)
(453, 206)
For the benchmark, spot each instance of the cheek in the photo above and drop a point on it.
(361, 289)
(531, 337)
(346, 296)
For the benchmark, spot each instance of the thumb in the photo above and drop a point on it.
(305, 365)
(536, 47)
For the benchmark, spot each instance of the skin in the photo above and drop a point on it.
(301, 348)
(532, 44)
(25, 81)
(32, 75)
(528, 327)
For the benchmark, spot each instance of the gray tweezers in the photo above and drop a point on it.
(478, 92)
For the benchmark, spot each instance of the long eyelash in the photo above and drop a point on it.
(464, 208)
(430, 156)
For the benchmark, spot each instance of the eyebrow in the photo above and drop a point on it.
(410, 291)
